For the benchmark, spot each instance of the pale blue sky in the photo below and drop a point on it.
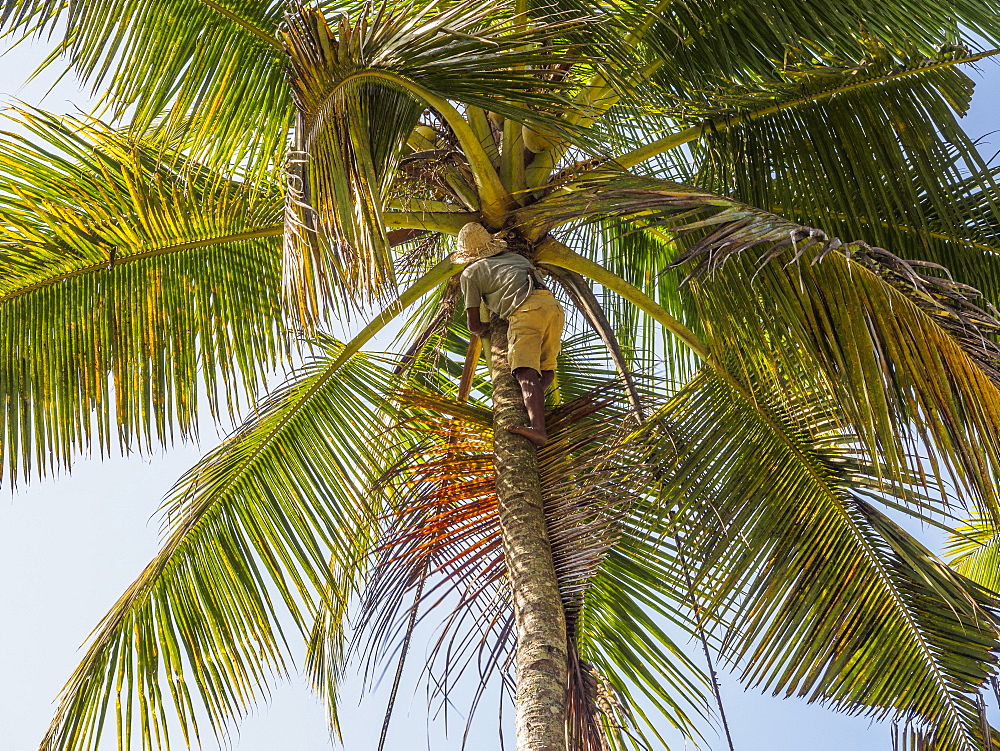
(69, 547)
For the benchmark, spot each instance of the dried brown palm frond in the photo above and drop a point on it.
(599, 718)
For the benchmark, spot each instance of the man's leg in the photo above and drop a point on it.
(533, 385)
(534, 373)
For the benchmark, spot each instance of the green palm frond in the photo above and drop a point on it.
(883, 160)
(684, 51)
(802, 83)
(360, 89)
(973, 550)
(806, 79)
(129, 280)
(250, 534)
(911, 366)
(215, 67)
(285, 499)
(906, 738)
(817, 592)
(974, 198)
(921, 351)
(693, 46)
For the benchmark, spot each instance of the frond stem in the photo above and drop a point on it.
(443, 271)
(255, 30)
(449, 222)
(695, 132)
(556, 253)
(424, 206)
(496, 200)
(273, 230)
(637, 35)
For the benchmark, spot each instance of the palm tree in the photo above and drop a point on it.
(742, 402)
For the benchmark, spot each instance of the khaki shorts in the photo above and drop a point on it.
(535, 334)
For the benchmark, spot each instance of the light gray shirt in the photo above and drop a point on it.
(503, 282)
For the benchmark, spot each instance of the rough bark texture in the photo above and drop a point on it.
(541, 661)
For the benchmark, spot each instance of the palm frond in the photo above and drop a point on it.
(441, 528)
(806, 81)
(882, 158)
(250, 534)
(360, 90)
(132, 282)
(973, 550)
(895, 365)
(818, 593)
(905, 738)
(697, 45)
(923, 352)
(213, 67)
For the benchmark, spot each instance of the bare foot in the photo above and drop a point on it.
(539, 439)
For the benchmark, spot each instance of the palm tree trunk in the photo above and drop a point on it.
(540, 621)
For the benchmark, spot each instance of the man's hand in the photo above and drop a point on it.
(476, 326)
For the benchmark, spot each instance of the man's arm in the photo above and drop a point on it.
(476, 326)
(473, 299)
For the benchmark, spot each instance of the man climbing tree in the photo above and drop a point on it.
(507, 284)
(683, 171)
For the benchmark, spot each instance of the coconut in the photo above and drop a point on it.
(423, 138)
(537, 140)
(426, 131)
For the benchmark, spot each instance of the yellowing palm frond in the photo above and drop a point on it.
(129, 279)
(817, 592)
(250, 535)
(360, 87)
(213, 66)
(973, 550)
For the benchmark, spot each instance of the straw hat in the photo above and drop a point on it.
(475, 243)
